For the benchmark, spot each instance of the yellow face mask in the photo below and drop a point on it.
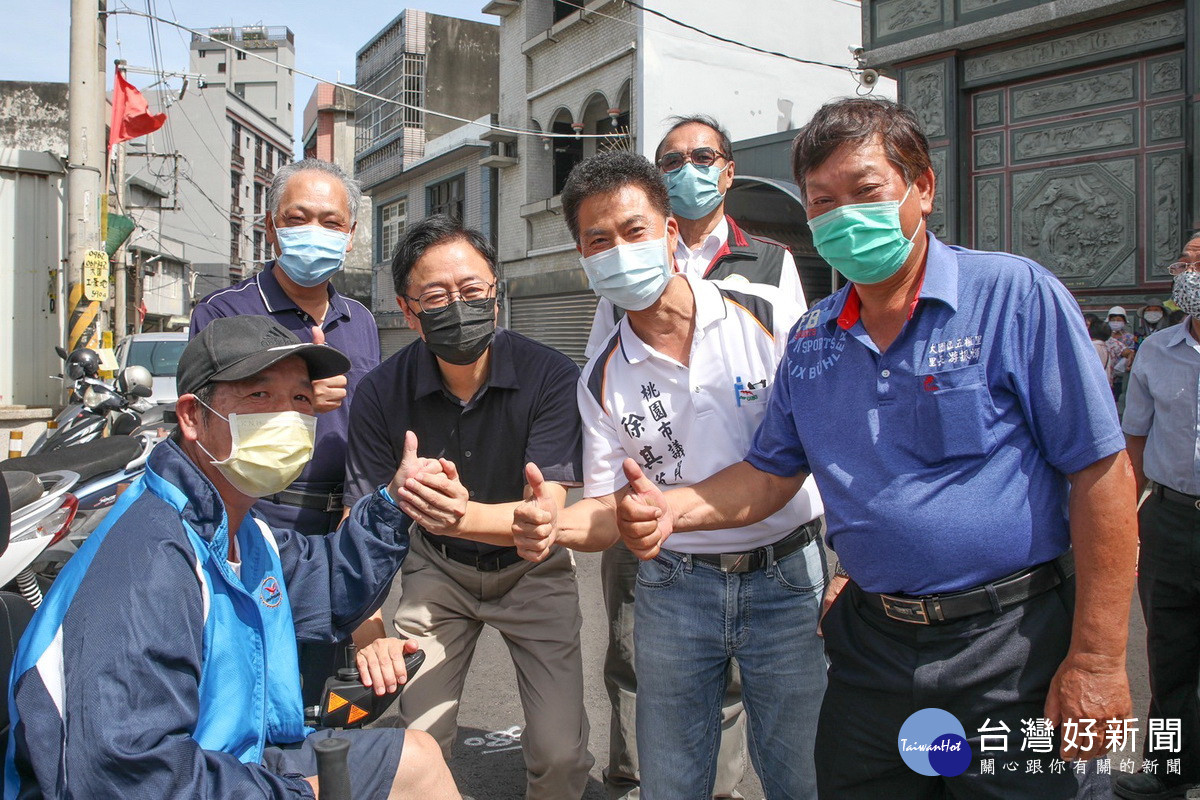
(269, 450)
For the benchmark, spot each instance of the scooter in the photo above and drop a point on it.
(104, 467)
(42, 510)
(96, 408)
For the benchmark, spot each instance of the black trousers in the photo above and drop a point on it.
(987, 670)
(1169, 588)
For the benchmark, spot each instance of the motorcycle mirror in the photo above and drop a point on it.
(142, 391)
(61, 353)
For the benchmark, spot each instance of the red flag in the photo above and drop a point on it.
(131, 117)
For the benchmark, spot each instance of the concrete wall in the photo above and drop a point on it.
(33, 116)
(460, 71)
(750, 93)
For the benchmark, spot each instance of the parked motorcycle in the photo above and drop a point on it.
(42, 509)
(97, 409)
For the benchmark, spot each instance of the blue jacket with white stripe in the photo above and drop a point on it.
(153, 670)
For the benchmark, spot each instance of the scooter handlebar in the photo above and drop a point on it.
(333, 769)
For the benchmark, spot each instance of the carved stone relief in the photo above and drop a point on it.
(937, 219)
(1166, 75)
(896, 16)
(1078, 221)
(989, 213)
(988, 110)
(1147, 30)
(1166, 194)
(1166, 122)
(1075, 137)
(925, 93)
(989, 150)
(1088, 91)
(967, 6)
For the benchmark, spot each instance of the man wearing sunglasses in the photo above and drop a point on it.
(695, 158)
(485, 401)
(1163, 439)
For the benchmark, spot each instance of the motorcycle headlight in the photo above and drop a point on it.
(91, 398)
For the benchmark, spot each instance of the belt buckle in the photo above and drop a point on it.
(905, 610)
(736, 562)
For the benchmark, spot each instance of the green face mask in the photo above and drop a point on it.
(864, 241)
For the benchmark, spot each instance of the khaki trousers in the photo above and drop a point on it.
(618, 571)
(535, 607)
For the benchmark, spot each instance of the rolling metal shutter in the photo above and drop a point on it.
(561, 321)
(392, 340)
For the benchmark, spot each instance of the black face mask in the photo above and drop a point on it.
(460, 332)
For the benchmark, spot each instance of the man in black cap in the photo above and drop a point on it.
(163, 662)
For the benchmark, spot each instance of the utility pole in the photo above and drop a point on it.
(120, 274)
(85, 158)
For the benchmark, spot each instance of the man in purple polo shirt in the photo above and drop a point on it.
(311, 208)
(951, 408)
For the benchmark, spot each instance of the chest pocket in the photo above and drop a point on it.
(955, 414)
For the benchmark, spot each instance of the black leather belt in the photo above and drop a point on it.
(322, 501)
(994, 597)
(484, 562)
(1169, 494)
(763, 557)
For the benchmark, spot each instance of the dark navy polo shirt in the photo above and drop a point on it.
(943, 461)
(349, 327)
(525, 411)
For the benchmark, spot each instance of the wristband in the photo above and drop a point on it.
(388, 496)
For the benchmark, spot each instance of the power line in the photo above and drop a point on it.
(736, 43)
(356, 90)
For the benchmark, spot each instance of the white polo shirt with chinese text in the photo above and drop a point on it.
(682, 423)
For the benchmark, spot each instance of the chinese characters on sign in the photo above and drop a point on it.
(95, 275)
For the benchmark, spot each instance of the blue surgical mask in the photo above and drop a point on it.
(693, 190)
(311, 254)
(864, 241)
(630, 276)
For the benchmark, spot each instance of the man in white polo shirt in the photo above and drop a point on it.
(680, 386)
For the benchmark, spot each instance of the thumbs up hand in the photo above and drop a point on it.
(644, 517)
(535, 522)
(435, 498)
(410, 465)
(328, 393)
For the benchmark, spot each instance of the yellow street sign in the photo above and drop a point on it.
(95, 275)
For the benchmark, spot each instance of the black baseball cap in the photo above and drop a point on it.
(235, 348)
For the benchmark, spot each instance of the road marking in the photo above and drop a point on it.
(502, 741)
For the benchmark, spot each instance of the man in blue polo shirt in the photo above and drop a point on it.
(311, 208)
(951, 408)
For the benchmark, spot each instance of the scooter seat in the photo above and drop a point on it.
(89, 459)
(23, 488)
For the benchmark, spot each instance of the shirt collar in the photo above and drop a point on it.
(276, 299)
(502, 372)
(709, 247)
(1181, 333)
(939, 282)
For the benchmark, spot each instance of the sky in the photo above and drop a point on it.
(35, 39)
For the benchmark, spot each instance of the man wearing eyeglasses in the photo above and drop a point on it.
(695, 159)
(1163, 439)
(485, 401)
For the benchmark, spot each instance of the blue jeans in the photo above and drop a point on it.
(690, 620)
